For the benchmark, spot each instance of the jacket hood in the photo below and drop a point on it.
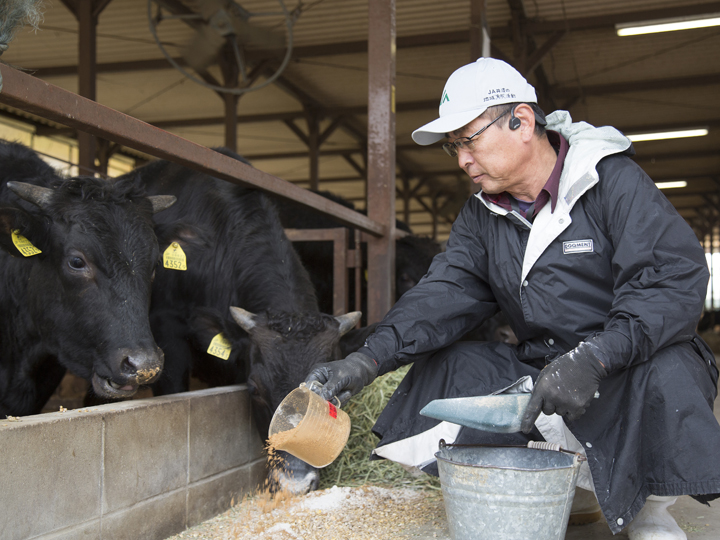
(588, 145)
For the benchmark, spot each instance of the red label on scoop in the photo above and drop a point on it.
(333, 410)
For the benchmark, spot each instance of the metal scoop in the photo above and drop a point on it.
(498, 413)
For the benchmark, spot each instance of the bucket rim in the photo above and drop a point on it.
(504, 468)
(575, 463)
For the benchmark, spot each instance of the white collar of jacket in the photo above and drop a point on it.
(588, 145)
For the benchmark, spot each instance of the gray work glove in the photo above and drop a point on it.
(344, 378)
(567, 385)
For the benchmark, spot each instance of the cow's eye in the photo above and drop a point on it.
(77, 263)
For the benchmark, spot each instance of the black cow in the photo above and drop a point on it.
(82, 302)
(413, 254)
(237, 256)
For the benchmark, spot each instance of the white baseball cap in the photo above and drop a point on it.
(470, 90)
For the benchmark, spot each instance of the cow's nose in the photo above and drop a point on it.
(142, 364)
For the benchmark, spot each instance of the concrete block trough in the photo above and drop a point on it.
(141, 469)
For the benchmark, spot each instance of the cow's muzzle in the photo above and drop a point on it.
(130, 369)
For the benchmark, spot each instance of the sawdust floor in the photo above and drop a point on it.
(373, 513)
(337, 513)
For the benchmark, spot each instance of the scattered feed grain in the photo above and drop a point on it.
(337, 513)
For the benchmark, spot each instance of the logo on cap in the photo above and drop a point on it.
(445, 98)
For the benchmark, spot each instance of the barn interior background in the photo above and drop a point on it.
(168, 63)
(308, 122)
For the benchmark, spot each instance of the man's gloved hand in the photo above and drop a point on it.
(567, 385)
(344, 378)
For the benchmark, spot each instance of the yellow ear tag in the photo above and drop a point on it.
(220, 347)
(23, 244)
(174, 257)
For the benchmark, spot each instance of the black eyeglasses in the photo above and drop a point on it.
(467, 143)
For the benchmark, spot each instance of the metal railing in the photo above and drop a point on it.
(35, 96)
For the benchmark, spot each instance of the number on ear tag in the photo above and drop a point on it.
(220, 347)
(174, 257)
(24, 245)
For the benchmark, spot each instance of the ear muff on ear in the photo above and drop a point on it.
(514, 121)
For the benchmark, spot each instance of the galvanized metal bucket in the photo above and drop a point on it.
(507, 492)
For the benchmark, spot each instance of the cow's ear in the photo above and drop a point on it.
(29, 232)
(185, 234)
(205, 323)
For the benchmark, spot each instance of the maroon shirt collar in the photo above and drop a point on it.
(551, 187)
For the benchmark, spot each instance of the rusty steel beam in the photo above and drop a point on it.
(231, 79)
(37, 97)
(313, 143)
(569, 92)
(216, 120)
(666, 156)
(557, 92)
(338, 113)
(332, 152)
(381, 155)
(534, 60)
(87, 55)
(330, 180)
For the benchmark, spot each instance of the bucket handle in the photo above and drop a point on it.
(310, 386)
(544, 445)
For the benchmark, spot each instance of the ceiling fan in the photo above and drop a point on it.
(224, 26)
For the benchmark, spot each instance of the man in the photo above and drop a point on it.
(602, 282)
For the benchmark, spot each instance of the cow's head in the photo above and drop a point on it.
(88, 290)
(284, 347)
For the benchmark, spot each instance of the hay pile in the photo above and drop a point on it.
(353, 466)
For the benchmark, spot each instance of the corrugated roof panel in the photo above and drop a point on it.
(561, 9)
(52, 44)
(662, 107)
(601, 57)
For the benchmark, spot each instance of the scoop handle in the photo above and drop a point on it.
(310, 386)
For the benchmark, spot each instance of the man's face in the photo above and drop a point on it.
(492, 161)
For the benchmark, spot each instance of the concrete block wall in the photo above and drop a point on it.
(142, 469)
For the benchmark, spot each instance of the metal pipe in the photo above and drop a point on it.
(25, 92)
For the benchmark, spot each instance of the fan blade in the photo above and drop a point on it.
(202, 51)
(256, 37)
